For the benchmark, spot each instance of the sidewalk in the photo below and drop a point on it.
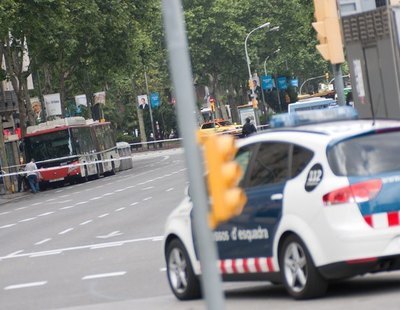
(6, 198)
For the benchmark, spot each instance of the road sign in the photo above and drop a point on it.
(282, 83)
(154, 100)
(267, 82)
(294, 82)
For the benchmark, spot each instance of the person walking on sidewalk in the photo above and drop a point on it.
(32, 175)
(248, 128)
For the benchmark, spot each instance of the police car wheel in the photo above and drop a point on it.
(184, 283)
(300, 277)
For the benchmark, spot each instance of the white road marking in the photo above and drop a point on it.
(27, 220)
(7, 226)
(65, 231)
(120, 209)
(25, 285)
(78, 192)
(104, 275)
(169, 189)
(81, 203)
(47, 213)
(163, 269)
(43, 241)
(134, 203)
(4, 213)
(36, 204)
(104, 215)
(147, 188)
(100, 186)
(63, 196)
(159, 238)
(107, 194)
(132, 186)
(51, 199)
(95, 198)
(22, 208)
(110, 235)
(82, 247)
(119, 190)
(147, 198)
(44, 253)
(102, 246)
(86, 222)
(67, 207)
(15, 253)
(59, 191)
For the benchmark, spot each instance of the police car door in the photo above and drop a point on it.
(250, 234)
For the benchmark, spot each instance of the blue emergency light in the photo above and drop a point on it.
(313, 117)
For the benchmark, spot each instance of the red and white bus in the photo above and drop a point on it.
(71, 149)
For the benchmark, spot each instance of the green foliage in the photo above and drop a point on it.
(85, 46)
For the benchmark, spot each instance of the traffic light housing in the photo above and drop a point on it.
(328, 30)
(254, 102)
(227, 198)
(327, 76)
(251, 85)
(212, 105)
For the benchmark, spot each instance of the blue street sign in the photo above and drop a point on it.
(154, 100)
(282, 83)
(294, 82)
(267, 82)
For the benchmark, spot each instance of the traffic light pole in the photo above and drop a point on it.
(339, 85)
(181, 73)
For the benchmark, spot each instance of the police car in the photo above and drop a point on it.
(323, 203)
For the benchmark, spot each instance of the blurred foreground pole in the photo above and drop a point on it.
(181, 72)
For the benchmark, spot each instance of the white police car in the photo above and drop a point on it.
(323, 204)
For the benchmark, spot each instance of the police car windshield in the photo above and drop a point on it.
(366, 155)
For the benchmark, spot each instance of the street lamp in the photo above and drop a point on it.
(245, 46)
(265, 61)
(248, 62)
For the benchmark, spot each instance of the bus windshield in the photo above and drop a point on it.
(47, 146)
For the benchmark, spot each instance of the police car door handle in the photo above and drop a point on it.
(277, 196)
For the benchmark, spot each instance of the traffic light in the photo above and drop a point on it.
(254, 102)
(227, 199)
(327, 76)
(212, 105)
(328, 30)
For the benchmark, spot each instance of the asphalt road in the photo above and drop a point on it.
(97, 245)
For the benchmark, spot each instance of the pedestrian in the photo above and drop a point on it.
(32, 175)
(248, 128)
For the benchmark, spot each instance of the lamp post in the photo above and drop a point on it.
(248, 67)
(265, 61)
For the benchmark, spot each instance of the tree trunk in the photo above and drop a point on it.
(4, 161)
(142, 130)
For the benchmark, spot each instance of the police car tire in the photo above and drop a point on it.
(192, 289)
(315, 285)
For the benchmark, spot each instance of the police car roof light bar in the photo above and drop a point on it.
(313, 117)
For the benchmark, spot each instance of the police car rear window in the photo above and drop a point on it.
(366, 155)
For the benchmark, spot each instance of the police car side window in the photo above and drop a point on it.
(243, 158)
(271, 164)
(300, 159)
